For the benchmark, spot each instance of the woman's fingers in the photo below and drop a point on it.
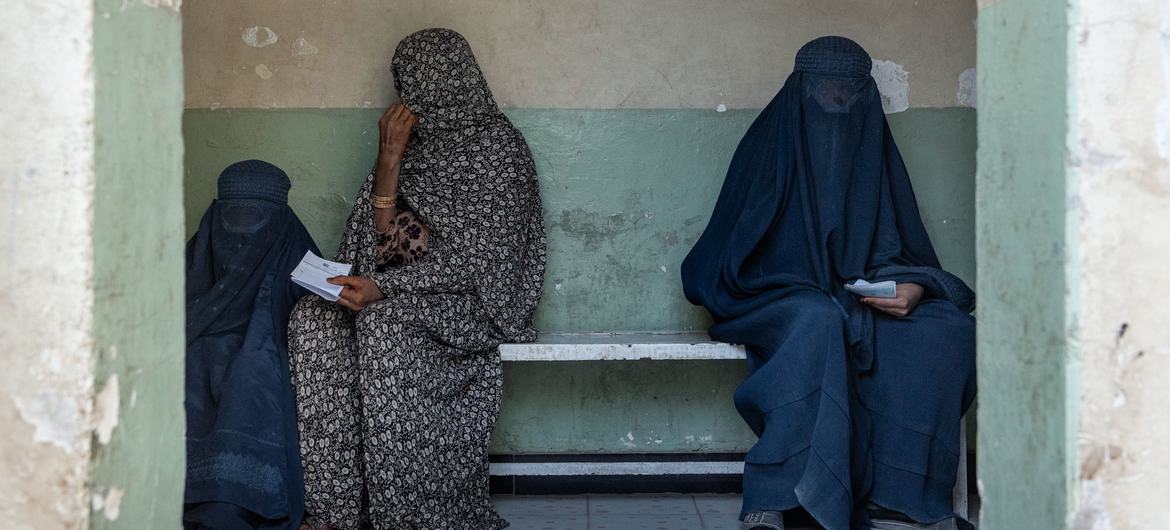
(878, 302)
(388, 113)
(396, 116)
(891, 306)
(348, 281)
(349, 299)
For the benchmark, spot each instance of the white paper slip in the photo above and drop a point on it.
(312, 272)
(886, 289)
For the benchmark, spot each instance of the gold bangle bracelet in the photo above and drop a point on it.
(381, 203)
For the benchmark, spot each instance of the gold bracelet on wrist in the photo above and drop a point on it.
(382, 203)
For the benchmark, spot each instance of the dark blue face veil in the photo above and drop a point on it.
(243, 455)
(851, 405)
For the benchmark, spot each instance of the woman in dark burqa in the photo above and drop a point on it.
(243, 457)
(857, 401)
(398, 384)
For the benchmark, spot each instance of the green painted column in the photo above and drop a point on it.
(1027, 407)
(138, 263)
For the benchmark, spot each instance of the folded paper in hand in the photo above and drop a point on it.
(886, 289)
(312, 272)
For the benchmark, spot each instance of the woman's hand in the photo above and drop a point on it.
(395, 126)
(358, 291)
(908, 296)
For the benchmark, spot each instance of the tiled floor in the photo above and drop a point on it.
(621, 512)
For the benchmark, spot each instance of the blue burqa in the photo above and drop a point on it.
(851, 406)
(243, 458)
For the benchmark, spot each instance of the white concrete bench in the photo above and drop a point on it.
(664, 346)
(681, 346)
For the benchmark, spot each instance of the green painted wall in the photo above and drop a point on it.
(138, 253)
(1027, 399)
(628, 406)
(626, 193)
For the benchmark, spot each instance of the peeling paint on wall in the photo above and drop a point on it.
(302, 48)
(56, 417)
(1091, 515)
(109, 503)
(894, 84)
(106, 410)
(966, 95)
(259, 36)
(173, 5)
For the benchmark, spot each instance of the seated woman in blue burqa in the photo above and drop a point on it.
(856, 399)
(243, 456)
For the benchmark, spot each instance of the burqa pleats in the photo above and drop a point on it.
(851, 405)
(243, 457)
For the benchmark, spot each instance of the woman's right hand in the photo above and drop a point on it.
(395, 126)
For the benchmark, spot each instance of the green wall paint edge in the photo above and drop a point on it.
(138, 254)
(626, 192)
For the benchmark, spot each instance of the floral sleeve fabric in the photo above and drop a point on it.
(403, 242)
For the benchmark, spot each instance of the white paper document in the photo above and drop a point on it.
(312, 272)
(886, 289)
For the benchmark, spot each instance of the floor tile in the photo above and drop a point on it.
(552, 505)
(724, 504)
(641, 505)
(546, 522)
(721, 521)
(645, 522)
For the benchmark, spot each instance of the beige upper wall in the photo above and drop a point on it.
(565, 53)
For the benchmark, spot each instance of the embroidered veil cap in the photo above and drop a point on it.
(833, 56)
(254, 179)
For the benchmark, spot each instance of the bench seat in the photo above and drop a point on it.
(668, 346)
(656, 346)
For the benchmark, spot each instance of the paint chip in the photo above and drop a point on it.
(302, 48)
(1119, 400)
(721, 108)
(106, 410)
(263, 71)
(966, 94)
(56, 418)
(109, 503)
(259, 36)
(894, 84)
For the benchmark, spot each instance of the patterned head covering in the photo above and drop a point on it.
(469, 176)
(254, 179)
(436, 75)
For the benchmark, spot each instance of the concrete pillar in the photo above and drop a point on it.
(1073, 201)
(1118, 215)
(91, 334)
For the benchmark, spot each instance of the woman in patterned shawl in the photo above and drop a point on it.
(398, 384)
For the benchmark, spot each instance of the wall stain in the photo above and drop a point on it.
(594, 228)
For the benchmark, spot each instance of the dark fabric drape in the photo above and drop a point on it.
(243, 459)
(816, 196)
